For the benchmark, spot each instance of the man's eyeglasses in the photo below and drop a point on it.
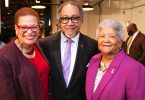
(25, 28)
(74, 19)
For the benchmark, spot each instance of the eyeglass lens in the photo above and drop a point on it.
(25, 28)
(74, 19)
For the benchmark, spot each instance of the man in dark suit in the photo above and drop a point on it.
(70, 17)
(135, 43)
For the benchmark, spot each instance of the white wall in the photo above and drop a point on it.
(138, 15)
(116, 9)
(121, 10)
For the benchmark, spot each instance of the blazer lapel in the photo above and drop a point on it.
(108, 75)
(90, 79)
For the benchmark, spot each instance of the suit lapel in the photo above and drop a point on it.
(57, 51)
(108, 75)
(135, 39)
(57, 54)
(78, 61)
(126, 43)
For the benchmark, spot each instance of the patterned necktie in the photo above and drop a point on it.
(129, 44)
(67, 60)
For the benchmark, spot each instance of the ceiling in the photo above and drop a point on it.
(14, 5)
(7, 13)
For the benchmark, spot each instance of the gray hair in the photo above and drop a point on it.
(71, 3)
(113, 24)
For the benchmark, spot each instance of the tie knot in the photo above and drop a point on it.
(69, 40)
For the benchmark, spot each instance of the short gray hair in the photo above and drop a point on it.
(71, 3)
(113, 24)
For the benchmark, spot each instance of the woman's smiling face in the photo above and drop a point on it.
(27, 30)
(109, 42)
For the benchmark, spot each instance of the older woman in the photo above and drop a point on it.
(24, 71)
(112, 75)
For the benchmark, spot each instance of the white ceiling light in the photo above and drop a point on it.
(38, 7)
(37, 1)
(87, 7)
(6, 3)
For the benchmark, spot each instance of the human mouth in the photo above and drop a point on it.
(30, 37)
(106, 45)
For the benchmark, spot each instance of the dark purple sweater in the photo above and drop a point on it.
(19, 79)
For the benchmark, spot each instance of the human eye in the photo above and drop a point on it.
(65, 18)
(75, 18)
(34, 26)
(112, 36)
(24, 27)
(101, 36)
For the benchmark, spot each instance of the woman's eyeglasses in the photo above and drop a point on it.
(25, 28)
(74, 19)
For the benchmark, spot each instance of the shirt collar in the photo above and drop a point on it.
(135, 34)
(64, 38)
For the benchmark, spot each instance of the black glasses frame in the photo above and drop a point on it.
(74, 19)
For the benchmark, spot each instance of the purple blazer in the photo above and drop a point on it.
(123, 80)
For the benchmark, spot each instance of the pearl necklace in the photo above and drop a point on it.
(28, 55)
(103, 66)
(20, 46)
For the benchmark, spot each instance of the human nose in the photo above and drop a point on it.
(70, 22)
(106, 39)
(29, 30)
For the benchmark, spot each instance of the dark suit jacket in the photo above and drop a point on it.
(19, 80)
(87, 47)
(137, 49)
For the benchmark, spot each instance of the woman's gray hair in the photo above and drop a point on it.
(71, 3)
(113, 24)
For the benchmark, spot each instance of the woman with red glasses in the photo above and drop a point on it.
(24, 70)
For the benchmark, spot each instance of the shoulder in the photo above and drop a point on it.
(141, 35)
(95, 58)
(89, 42)
(2, 44)
(9, 52)
(87, 38)
(93, 63)
(135, 71)
(8, 49)
(53, 36)
(50, 38)
(131, 64)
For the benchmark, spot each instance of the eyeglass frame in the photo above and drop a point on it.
(28, 27)
(69, 18)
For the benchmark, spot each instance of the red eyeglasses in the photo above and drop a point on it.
(25, 28)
